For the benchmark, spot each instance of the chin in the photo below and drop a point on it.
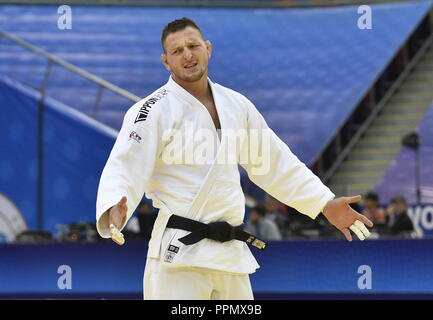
(192, 77)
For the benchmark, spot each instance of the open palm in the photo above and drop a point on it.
(343, 217)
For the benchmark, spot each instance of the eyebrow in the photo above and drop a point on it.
(187, 42)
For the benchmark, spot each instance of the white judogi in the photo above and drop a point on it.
(209, 191)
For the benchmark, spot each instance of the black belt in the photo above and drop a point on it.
(220, 231)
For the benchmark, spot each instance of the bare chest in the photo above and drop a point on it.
(211, 108)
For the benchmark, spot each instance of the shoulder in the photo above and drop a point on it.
(240, 101)
(268, 222)
(149, 107)
(231, 93)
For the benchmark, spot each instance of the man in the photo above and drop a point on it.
(261, 225)
(374, 212)
(398, 222)
(177, 147)
(372, 209)
(274, 213)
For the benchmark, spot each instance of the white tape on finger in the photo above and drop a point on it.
(116, 235)
(356, 231)
(362, 227)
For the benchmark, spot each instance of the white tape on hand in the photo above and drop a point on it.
(116, 235)
(362, 227)
(356, 231)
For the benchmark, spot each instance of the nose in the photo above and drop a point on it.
(187, 54)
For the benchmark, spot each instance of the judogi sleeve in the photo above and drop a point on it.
(278, 171)
(129, 166)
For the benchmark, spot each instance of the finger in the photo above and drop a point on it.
(122, 201)
(356, 231)
(111, 214)
(115, 215)
(116, 235)
(114, 220)
(353, 199)
(347, 234)
(110, 219)
(122, 205)
(365, 220)
(362, 228)
(123, 210)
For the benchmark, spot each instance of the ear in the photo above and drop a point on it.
(164, 61)
(209, 48)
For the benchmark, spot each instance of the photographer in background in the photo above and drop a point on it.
(374, 212)
(398, 222)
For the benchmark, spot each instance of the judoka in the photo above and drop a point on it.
(181, 147)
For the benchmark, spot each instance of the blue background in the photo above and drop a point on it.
(75, 151)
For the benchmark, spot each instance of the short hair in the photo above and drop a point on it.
(177, 25)
(399, 199)
(260, 209)
(372, 196)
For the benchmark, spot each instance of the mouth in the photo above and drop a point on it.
(190, 65)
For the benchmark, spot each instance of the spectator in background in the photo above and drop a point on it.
(275, 213)
(398, 222)
(261, 226)
(373, 211)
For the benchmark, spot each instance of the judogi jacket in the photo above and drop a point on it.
(169, 149)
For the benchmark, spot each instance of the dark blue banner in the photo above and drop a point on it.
(287, 269)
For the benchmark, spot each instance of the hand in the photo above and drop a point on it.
(342, 216)
(117, 213)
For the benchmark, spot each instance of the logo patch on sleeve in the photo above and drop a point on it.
(135, 136)
(148, 104)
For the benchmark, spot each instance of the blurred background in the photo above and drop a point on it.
(348, 85)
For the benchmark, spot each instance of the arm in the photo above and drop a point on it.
(275, 169)
(280, 173)
(127, 171)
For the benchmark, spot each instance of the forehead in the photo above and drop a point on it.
(183, 36)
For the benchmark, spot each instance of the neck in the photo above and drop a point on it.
(200, 89)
